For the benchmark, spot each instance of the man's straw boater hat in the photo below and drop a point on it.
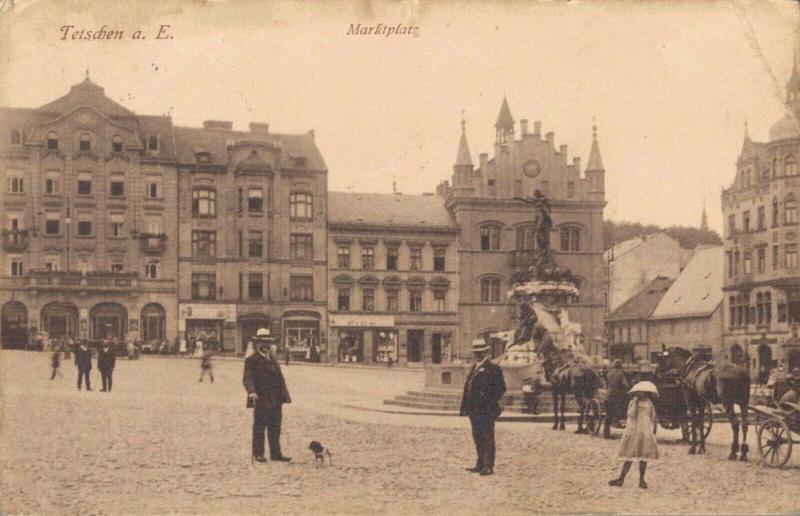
(479, 345)
(264, 334)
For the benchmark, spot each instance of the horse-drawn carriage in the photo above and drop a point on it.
(774, 426)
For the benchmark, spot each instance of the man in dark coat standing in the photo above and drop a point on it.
(617, 397)
(481, 402)
(106, 360)
(83, 359)
(266, 394)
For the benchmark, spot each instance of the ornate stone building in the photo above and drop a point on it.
(762, 278)
(496, 237)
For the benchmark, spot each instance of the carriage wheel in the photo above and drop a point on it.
(775, 443)
(708, 419)
(594, 417)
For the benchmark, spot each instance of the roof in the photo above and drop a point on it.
(641, 305)
(215, 141)
(595, 160)
(504, 119)
(463, 158)
(698, 290)
(87, 93)
(388, 210)
(629, 245)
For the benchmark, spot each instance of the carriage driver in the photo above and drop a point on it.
(616, 400)
(793, 394)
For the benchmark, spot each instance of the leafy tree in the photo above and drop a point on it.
(688, 237)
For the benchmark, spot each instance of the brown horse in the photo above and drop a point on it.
(568, 374)
(727, 382)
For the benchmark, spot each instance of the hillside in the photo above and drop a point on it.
(689, 238)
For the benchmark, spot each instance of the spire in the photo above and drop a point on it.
(504, 119)
(793, 84)
(595, 161)
(746, 130)
(704, 218)
(463, 158)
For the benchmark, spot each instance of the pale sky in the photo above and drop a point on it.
(670, 83)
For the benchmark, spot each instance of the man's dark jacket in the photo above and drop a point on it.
(106, 360)
(482, 391)
(263, 376)
(83, 359)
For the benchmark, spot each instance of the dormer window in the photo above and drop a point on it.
(52, 141)
(16, 139)
(152, 143)
(85, 143)
(116, 143)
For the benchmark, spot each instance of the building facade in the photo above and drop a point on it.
(628, 327)
(762, 278)
(497, 233)
(393, 279)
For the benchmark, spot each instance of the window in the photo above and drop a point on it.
(85, 142)
(117, 221)
(731, 225)
(255, 244)
(84, 225)
(570, 240)
(151, 269)
(782, 312)
(16, 267)
(440, 300)
(789, 166)
(415, 301)
(368, 300)
(204, 202)
(747, 266)
(52, 183)
(732, 310)
(392, 300)
(153, 190)
(776, 257)
(490, 238)
(746, 221)
(152, 143)
(761, 263)
(343, 257)
(367, 258)
(153, 225)
(736, 262)
(203, 157)
(117, 188)
(204, 244)
(790, 258)
(790, 210)
(570, 189)
(759, 308)
(775, 213)
(255, 285)
(84, 183)
(301, 288)
(525, 238)
(300, 206)
(761, 218)
(15, 137)
(490, 290)
(343, 299)
(51, 263)
(767, 308)
(439, 260)
(730, 263)
(16, 183)
(204, 285)
(117, 266)
(52, 225)
(116, 143)
(52, 141)
(300, 247)
(416, 259)
(392, 258)
(255, 201)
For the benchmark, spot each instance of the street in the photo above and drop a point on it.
(162, 442)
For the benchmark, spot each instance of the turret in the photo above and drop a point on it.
(504, 125)
(463, 168)
(595, 172)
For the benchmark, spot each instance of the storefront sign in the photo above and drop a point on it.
(362, 321)
(207, 311)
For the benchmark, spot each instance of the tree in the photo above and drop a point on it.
(689, 238)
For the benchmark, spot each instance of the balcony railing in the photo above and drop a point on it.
(153, 243)
(15, 240)
(76, 280)
(522, 257)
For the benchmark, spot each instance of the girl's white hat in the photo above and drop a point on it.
(645, 386)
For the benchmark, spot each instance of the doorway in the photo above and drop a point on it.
(14, 325)
(60, 320)
(416, 338)
(109, 320)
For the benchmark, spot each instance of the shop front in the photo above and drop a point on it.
(249, 324)
(14, 326)
(212, 324)
(301, 335)
(364, 338)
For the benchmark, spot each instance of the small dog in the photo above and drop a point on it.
(320, 452)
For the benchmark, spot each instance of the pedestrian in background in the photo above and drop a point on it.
(639, 439)
(481, 402)
(617, 387)
(56, 363)
(205, 365)
(106, 360)
(83, 361)
(198, 348)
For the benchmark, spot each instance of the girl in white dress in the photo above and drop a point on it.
(639, 439)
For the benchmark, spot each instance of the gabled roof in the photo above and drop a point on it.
(388, 210)
(87, 93)
(641, 305)
(697, 291)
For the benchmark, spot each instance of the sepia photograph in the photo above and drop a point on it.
(399, 257)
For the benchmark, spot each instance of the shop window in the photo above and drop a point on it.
(392, 258)
(52, 141)
(416, 259)
(84, 183)
(204, 244)
(440, 300)
(301, 206)
(204, 286)
(392, 300)
(367, 258)
(255, 201)
(301, 288)
(343, 300)
(302, 338)
(116, 143)
(343, 257)
(255, 285)
(415, 301)
(368, 299)
(490, 290)
(255, 244)
(385, 346)
(439, 260)
(300, 247)
(117, 188)
(85, 142)
(490, 237)
(351, 346)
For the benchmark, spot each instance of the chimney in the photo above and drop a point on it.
(551, 138)
(311, 133)
(484, 159)
(259, 128)
(523, 124)
(218, 125)
(537, 128)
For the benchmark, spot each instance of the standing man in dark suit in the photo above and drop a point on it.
(266, 393)
(617, 386)
(481, 402)
(83, 359)
(106, 360)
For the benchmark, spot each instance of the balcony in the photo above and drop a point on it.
(15, 240)
(153, 243)
(77, 281)
(522, 257)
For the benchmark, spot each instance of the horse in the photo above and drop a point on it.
(727, 382)
(567, 373)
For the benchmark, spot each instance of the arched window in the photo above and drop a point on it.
(490, 289)
(116, 143)
(525, 237)
(767, 308)
(490, 237)
(789, 165)
(204, 202)
(85, 143)
(570, 239)
(16, 139)
(790, 210)
(153, 318)
(52, 140)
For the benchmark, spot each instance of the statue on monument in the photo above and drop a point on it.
(542, 221)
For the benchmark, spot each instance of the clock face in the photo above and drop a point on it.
(531, 168)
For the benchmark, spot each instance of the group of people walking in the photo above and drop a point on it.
(106, 361)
